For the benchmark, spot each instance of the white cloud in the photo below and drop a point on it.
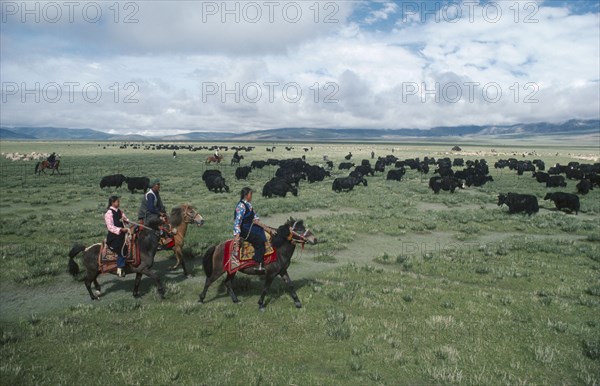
(179, 70)
(382, 13)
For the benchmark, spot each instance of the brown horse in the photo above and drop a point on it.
(179, 219)
(41, 165)
(288, 235)
(147, 239)
(212, 158)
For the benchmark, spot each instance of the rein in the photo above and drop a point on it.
(156, 232)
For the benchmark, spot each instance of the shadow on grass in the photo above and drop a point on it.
(250, 288)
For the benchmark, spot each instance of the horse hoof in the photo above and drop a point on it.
(298, 304)
(262, 309)
(189, 276)
(97, 293)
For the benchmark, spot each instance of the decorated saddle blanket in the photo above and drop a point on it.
(107, 258)
(245, 259)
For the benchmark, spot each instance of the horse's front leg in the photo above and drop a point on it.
(286, 278)
(178, 258)
(151, 274)
(261, 301)
(136, 285)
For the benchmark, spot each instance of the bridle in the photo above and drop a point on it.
(191, 216)
(296, 237)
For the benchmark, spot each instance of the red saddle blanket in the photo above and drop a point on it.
(235, 263)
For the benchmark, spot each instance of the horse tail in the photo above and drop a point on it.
(37, 165)
(73, 267)
(207, 261)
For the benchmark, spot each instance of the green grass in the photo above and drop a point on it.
(405, 286)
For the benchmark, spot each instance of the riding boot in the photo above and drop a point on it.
(260, 268)
(121, 262)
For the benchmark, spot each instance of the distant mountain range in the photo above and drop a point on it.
(574, 127)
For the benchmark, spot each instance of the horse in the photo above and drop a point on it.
(288, 235)
(212, 158)
(179, 219)
(147, 239)
(41, 165)
(236, 160)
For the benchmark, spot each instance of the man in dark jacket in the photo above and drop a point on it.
(152, 206)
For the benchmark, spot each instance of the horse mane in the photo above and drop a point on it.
(177, 213)
(281, 237)
(283, 232)
(176, 217)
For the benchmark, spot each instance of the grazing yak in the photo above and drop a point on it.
(210, 173)
(556, 181)
(278, 186)
(347, 183)
(241, 173)
(541, 177)
(365, 170)
(142, 183)
(584, 186)
(316, 173)
(447, 183)
(216, 183)
(346, 165)
(478, 180)
(258, 164)
(564, 201)
(519, 203)
(395, 174)
(115, 180)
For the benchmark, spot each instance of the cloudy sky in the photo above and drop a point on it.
(166, 67)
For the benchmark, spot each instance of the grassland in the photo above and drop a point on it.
(405, 287)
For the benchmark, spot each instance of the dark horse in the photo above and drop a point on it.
(41, 165)
(148, 238)
(179, 219)
(236, 160)
(288, 235)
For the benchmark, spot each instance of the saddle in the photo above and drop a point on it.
(245, 259)
(247, 249)
(167, 239)
(107, 258)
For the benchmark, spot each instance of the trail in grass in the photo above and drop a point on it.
(19, 301)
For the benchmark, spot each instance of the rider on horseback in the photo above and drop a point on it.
(52, 159)
(248, 225)
(115, 221)
(153, 210)
(152, 207)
